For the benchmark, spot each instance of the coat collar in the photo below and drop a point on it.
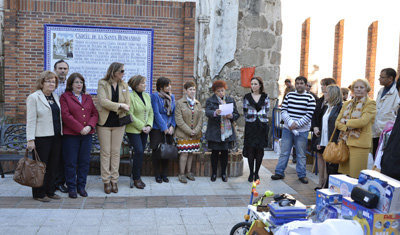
(184, 100)
(42, 98)
(74, 98)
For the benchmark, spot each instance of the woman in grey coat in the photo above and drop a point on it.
(220, 132)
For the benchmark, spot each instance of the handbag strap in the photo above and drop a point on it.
(333, 133)
(35, 155)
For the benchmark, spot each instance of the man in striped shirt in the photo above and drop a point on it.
(297, 111)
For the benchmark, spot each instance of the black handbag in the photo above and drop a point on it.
(166, 151)
(125, 120)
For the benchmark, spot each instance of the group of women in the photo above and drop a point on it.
(64, 125)
(350, 121)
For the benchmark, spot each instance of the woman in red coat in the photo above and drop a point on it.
(79, 116)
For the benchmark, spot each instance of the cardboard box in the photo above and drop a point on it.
(372, 221)
(386, 187)
(326, 197)
(342, 184)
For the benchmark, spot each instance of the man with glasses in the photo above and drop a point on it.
(61, 68)
(387, 103)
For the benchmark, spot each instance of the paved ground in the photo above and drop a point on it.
(199, 207)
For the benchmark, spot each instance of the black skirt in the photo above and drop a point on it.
(256, 134)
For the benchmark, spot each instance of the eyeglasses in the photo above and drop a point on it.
(53, 82)
(78, 82)
(122, 71)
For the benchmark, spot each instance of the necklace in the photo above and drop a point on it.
(50, 99)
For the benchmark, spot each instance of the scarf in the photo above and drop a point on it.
(226, 126)
(352, 111)
(191, 101)
(167, 101)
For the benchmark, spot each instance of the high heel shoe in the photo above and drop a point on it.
(213, 177)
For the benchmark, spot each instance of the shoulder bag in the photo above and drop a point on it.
(336, 152)
(166, 151)
(30, 172)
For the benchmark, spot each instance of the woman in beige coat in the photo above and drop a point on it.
(189, 119)
(114, 103)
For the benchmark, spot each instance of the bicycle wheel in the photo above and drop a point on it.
(240, 228)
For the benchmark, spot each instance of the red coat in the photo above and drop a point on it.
(76, 115)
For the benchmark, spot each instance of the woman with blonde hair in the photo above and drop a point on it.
(330, 112)
(114, 103)
(355, 124)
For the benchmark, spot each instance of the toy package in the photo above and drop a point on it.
(342, 184)
(372, 221)
(387, 188)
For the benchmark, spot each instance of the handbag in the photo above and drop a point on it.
(30, 172)
(166, 151)
(125, 120)
(336, 152)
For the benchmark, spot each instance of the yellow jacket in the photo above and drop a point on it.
(105, 105)
(364, 122)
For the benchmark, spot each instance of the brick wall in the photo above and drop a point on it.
(305, 45)
(371, 55)
(338, 52)
(174, 33)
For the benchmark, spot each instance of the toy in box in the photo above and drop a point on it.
(387, 188)
(342, 184)
(327, 205)
(372, 221)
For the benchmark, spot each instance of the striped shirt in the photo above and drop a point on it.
(299, 108)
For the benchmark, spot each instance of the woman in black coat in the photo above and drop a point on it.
(220, 133)
(329, 112)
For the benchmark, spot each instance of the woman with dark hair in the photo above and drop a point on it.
(163, 102)
(138, 131)
(114, 103)
(330, 112)
(220, 133)
(255, 111)
(44, 130)
(189, 120)
(79, 117)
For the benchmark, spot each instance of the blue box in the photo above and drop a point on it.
(326, 197)
(342, 184)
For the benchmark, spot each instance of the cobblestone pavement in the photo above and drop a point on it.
(199, 207)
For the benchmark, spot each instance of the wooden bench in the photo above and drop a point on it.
(13, 145)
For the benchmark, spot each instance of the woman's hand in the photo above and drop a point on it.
(218, 111)
(30, 145)
(230, 116)
(86, 130)
(124, 107)
(192, 134)
(146, 129)
(316, 131)
(319, 147)
(171, 130)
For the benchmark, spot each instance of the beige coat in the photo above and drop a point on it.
(386, 109)
(105, 105)
(39, 118)
(184, 118)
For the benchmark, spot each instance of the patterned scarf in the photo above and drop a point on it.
(352, 111)
(167, 101)
(226, 126)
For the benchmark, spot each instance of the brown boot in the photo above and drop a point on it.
(107, 188)
(138, 184)
(114, 187)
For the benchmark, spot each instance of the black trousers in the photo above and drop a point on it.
(254, 154)
(49, 150)
(215, 155)
(375, 142)
(160, 166)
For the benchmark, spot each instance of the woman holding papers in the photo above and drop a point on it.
(221, 112)
(255, 110)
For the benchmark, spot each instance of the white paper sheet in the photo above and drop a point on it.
(226, 108)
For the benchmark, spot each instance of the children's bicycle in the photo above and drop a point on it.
(252, 215)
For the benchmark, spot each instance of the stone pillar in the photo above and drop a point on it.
(338, 52)
(371, 55)
(305, 45)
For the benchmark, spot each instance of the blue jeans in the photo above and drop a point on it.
(138, 142)
(76, 154)
(300, 143)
